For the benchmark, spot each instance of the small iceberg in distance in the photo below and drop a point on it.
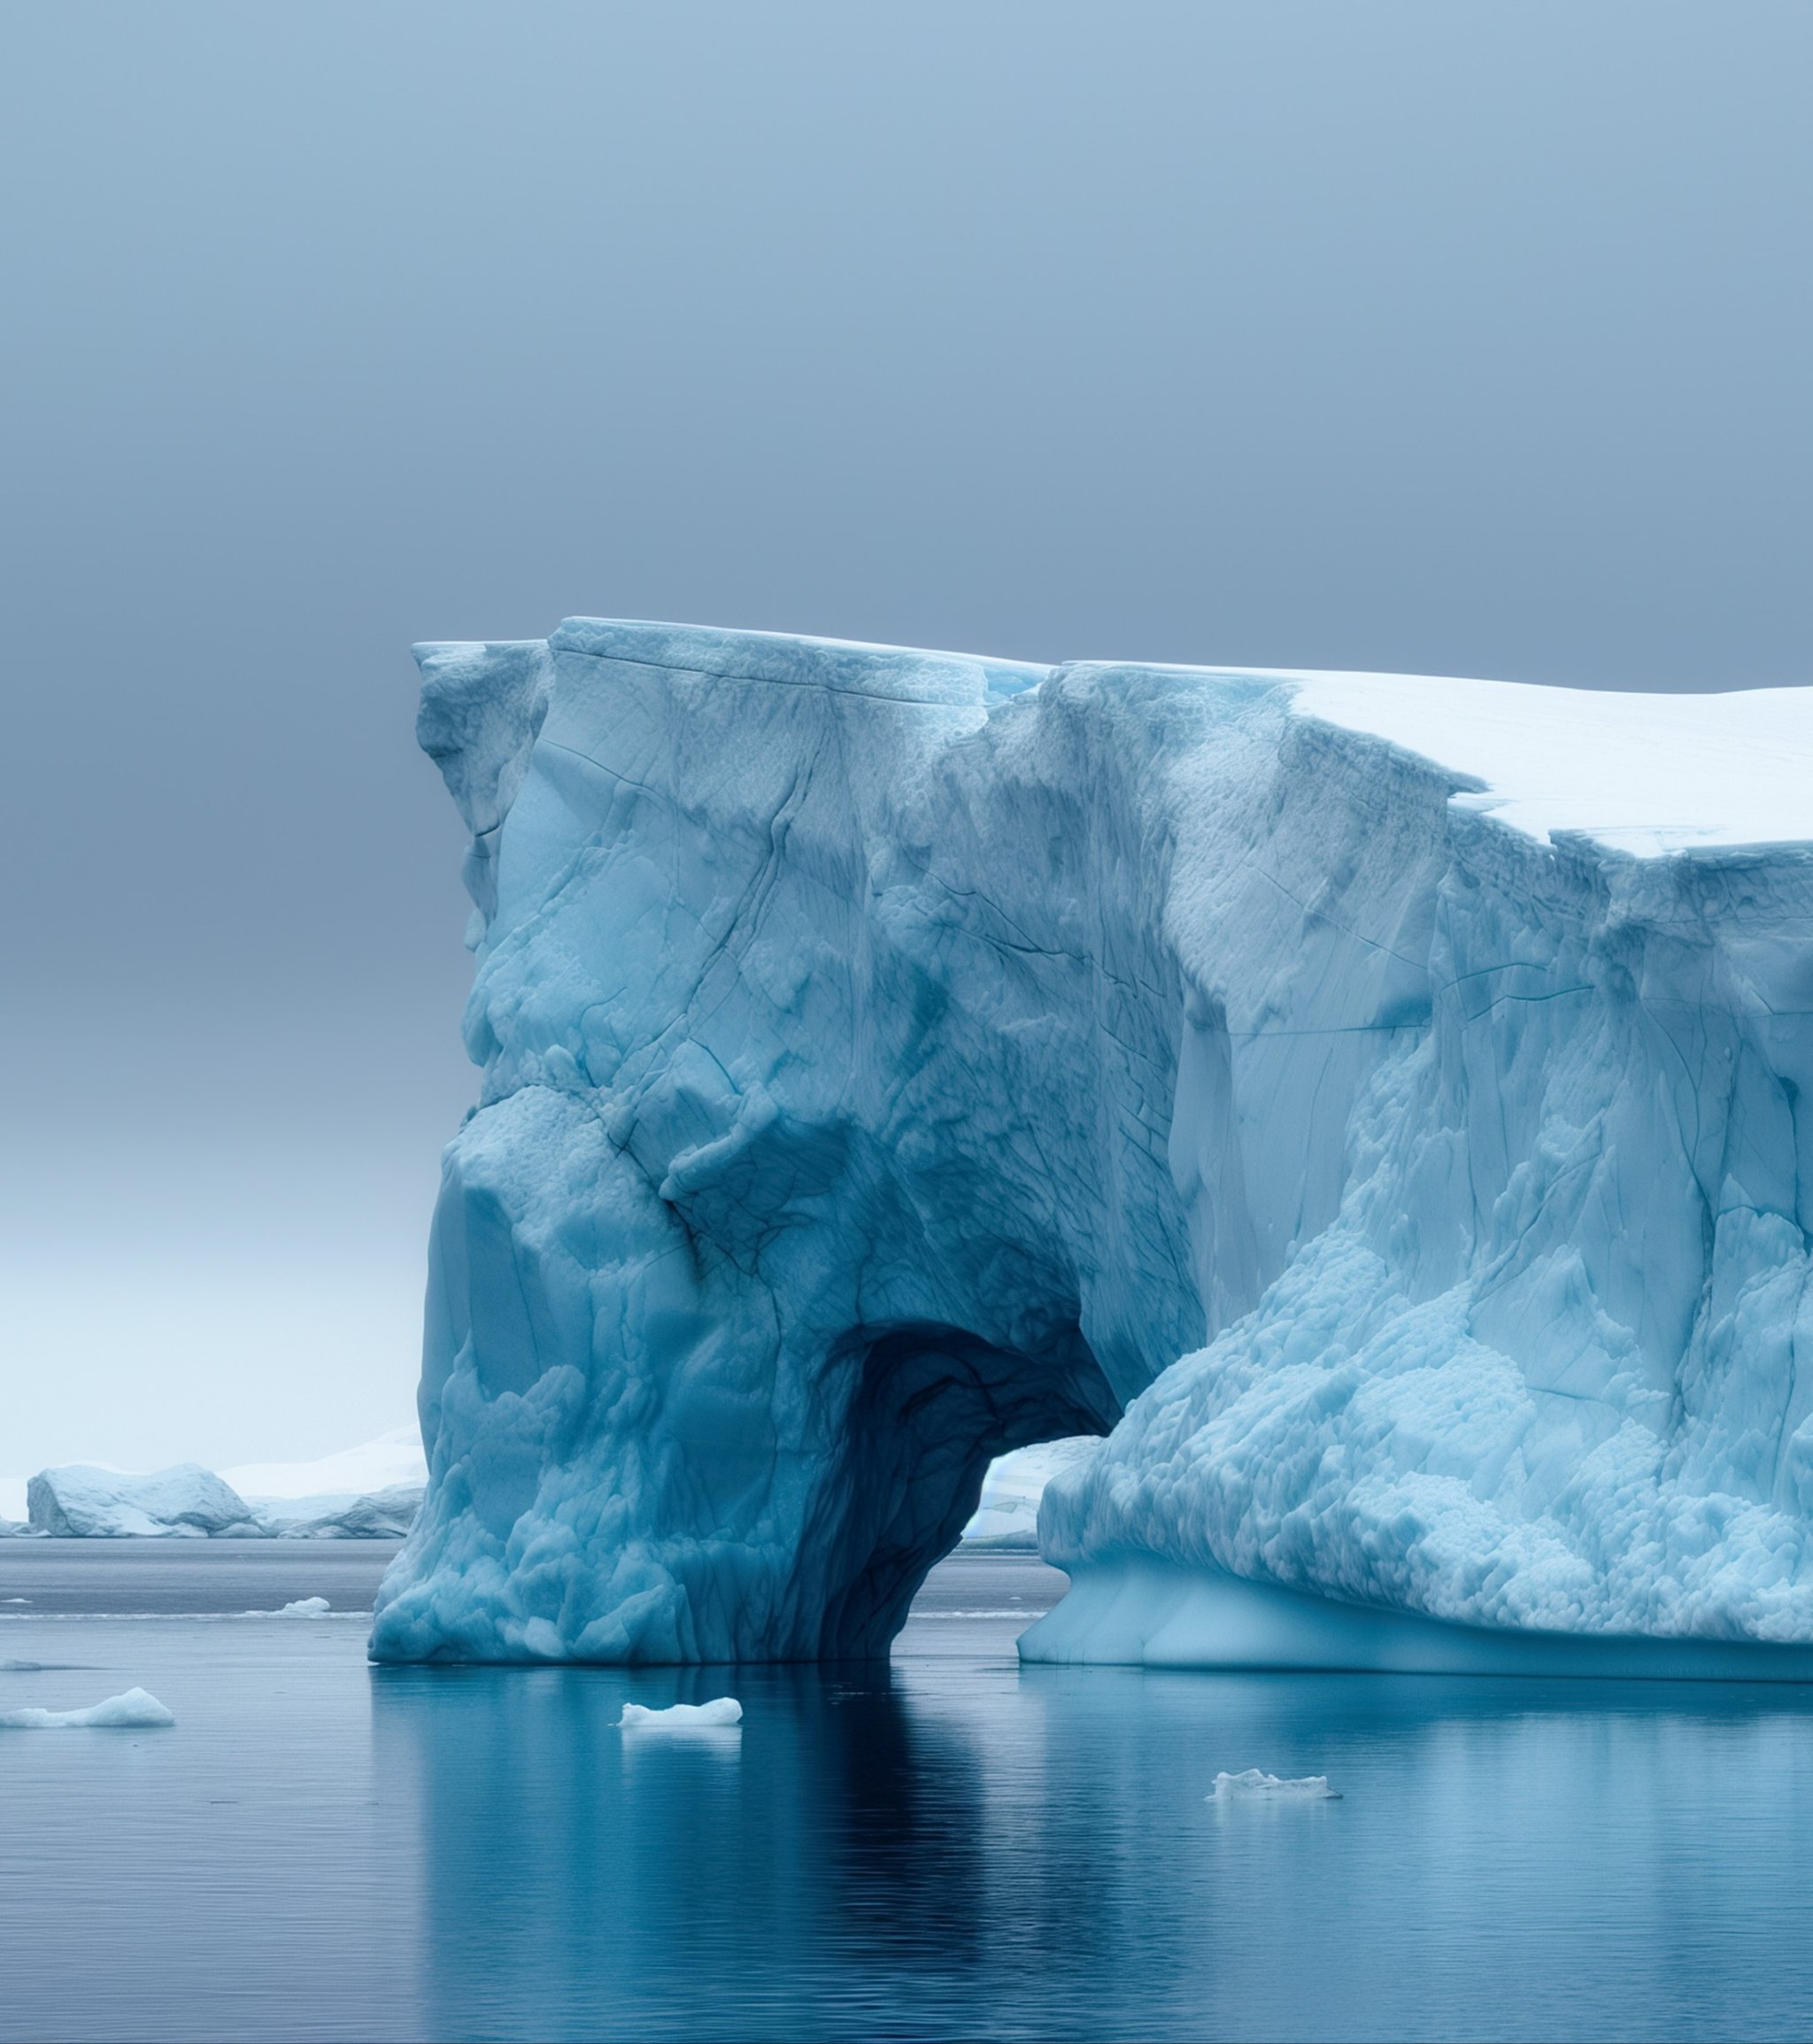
(138, 1710)
(715, 1716)
(1252, 1782)
(306, 1607)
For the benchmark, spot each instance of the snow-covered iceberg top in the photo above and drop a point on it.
(1377, 1099)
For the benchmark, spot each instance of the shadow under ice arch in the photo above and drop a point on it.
(891, 1059)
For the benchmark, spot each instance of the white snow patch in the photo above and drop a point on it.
(1252, 1782)
(1647, 773)
(136, 1710)
(721, 1711)
(376, 1465)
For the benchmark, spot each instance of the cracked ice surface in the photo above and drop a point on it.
(1386, 1091)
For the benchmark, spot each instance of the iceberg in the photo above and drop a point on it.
(385, 1515)
(82, 1501)
(368, 1493)
(136, 1710)
(1377, 1104)
(1007, 1516)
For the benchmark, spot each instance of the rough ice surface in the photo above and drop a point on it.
(386, 1515)
(80, 1501)
(1252, 1781)
(1382, 1097)
(719, 1712)
(322, 1500)
(1007, 1516)
(136, 1710)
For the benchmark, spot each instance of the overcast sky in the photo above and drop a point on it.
(1448, 337)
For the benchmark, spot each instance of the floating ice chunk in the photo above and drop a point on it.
(721, 1711)
(138, 1710)
(21, 1667)
(306, 1607)
(1251, 1782)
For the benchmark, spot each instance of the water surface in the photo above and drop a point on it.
(948, 1846)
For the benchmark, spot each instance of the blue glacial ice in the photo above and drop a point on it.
(1377, 1100)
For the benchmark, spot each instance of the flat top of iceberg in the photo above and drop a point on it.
(1648, 774)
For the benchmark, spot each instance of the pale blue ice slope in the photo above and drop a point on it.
(1386, 1092)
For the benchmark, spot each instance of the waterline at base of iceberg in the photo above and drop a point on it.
(1137, 1611)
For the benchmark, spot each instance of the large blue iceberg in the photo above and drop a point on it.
(1387, 1104)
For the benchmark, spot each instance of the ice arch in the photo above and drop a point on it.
(891, 1058)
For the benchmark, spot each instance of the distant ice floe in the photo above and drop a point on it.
(723, 1710)
(82, 1501)
(1006, 1519)
(136, 1710)
(306, 1607)
(372, 1492)
(1252, 1782)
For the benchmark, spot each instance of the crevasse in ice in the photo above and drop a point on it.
(1378, 1100)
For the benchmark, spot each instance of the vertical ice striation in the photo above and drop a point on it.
(891, 1059)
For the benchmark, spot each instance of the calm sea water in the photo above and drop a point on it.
(952, 1846)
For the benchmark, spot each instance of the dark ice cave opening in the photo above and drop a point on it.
(932, 1407)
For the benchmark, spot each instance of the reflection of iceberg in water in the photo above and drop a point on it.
(578, 1883)
(953, 1849)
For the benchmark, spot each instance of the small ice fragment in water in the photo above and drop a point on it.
(136, 1710)
(306, 1607)
(681, 1716)
(21, 1667)
(1251, 1781)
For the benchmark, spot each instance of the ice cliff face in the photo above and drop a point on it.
(891, 1059)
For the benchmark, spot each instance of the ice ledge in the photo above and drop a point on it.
(1132, 1611)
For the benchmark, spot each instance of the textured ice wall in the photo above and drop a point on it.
(891, 1059)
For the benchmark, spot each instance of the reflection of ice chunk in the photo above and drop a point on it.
(1008, 1515)
(136, 1710)
(1251, 1782)
(83, 1501)
(721, 1711)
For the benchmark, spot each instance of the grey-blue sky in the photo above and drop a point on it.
(1451, 338)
